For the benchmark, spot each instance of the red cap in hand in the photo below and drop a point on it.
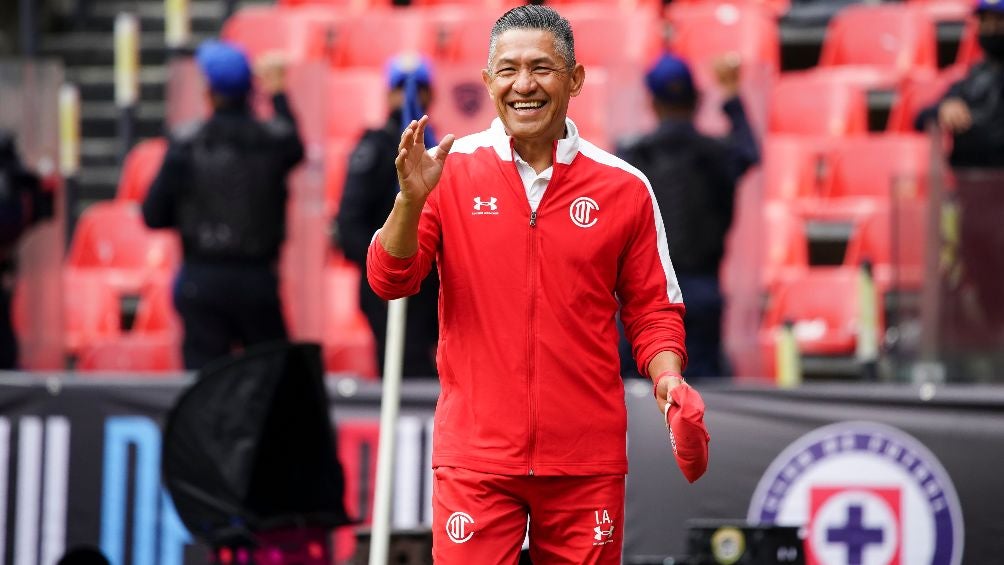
(687, 433)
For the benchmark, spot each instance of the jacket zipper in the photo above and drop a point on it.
(531, 343)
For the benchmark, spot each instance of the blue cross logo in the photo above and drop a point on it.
(854, 535)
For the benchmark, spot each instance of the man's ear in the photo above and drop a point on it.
(486, 77)
(578, 78)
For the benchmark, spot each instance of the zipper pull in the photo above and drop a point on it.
(533, 219)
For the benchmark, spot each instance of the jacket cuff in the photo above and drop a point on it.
(386, 260)
(679, 349)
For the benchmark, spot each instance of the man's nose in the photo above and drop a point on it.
(525, 83)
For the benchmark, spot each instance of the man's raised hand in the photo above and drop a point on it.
(418, 170)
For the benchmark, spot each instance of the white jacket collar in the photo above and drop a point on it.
(568, 147)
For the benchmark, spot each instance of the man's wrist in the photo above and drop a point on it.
(670, 373)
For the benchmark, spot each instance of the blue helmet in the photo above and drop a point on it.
(225, 67)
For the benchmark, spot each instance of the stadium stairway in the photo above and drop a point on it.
(85, 44)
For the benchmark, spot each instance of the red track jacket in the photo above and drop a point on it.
(527, 355)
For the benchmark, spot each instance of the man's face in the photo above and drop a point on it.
(531, 84)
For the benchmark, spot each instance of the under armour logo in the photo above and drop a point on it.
(480, 204)
(599, 533)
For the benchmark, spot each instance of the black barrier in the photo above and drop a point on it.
(906, 474)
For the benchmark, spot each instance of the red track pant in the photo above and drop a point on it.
(481, 519)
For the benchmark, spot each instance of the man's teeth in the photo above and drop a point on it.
(527, 105)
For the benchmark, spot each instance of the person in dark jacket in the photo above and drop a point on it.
(223, 187)
(367, 198)
(694, 178)
(23, 202)
(973, 109)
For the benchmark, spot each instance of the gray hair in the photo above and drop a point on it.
(536, 17)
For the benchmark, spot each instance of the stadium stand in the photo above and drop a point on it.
(895, 37)
(701, 31)
(132, 354)
(348, 342)
(304, 33)
(893, 239)
(803, 103)
(336, 157)
(112, 242)
(824, 327)
(91, 312)
(400, 31)
(787, 247)
(919, 90)
(357, 100)
(140, 168)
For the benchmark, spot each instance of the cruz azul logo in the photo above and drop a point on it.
(582, 211)
(486, 207)
(459, 527)
(866, 494)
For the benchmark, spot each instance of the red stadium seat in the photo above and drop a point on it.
(133, 354)
(140, 168)
(459, 34)
(499, 7)
(155, 314)
(896, 37)
(805, 104)
(796, 167)
(303, 34)
(91, 309)
(339, 4)
(590, 110)
(358, 100)
(112, 239)
(880, 168)
(776, 7)
(787, 253)
(609, 37)
(348, 341)
(371, 39)
(918, 91)
(336, 161)
(894, 241)
(624, 5)
(702, 31)
(970, 51)
(461, 105)
(823, 304)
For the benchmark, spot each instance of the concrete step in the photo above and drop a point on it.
(98, 182)
(97, 82)
(205, 16)
(101, 119)
(95, 48)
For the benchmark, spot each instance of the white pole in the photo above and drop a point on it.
(389, 404)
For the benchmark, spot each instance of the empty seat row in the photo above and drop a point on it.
(812, 171)
(893, 239)
(448, 33)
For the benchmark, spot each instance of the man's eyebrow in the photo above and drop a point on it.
(511, 61)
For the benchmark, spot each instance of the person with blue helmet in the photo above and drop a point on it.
(694, 178)
(368, 196)
(973, 109)
(223, 187)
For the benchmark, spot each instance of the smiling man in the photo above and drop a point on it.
(539, 237)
